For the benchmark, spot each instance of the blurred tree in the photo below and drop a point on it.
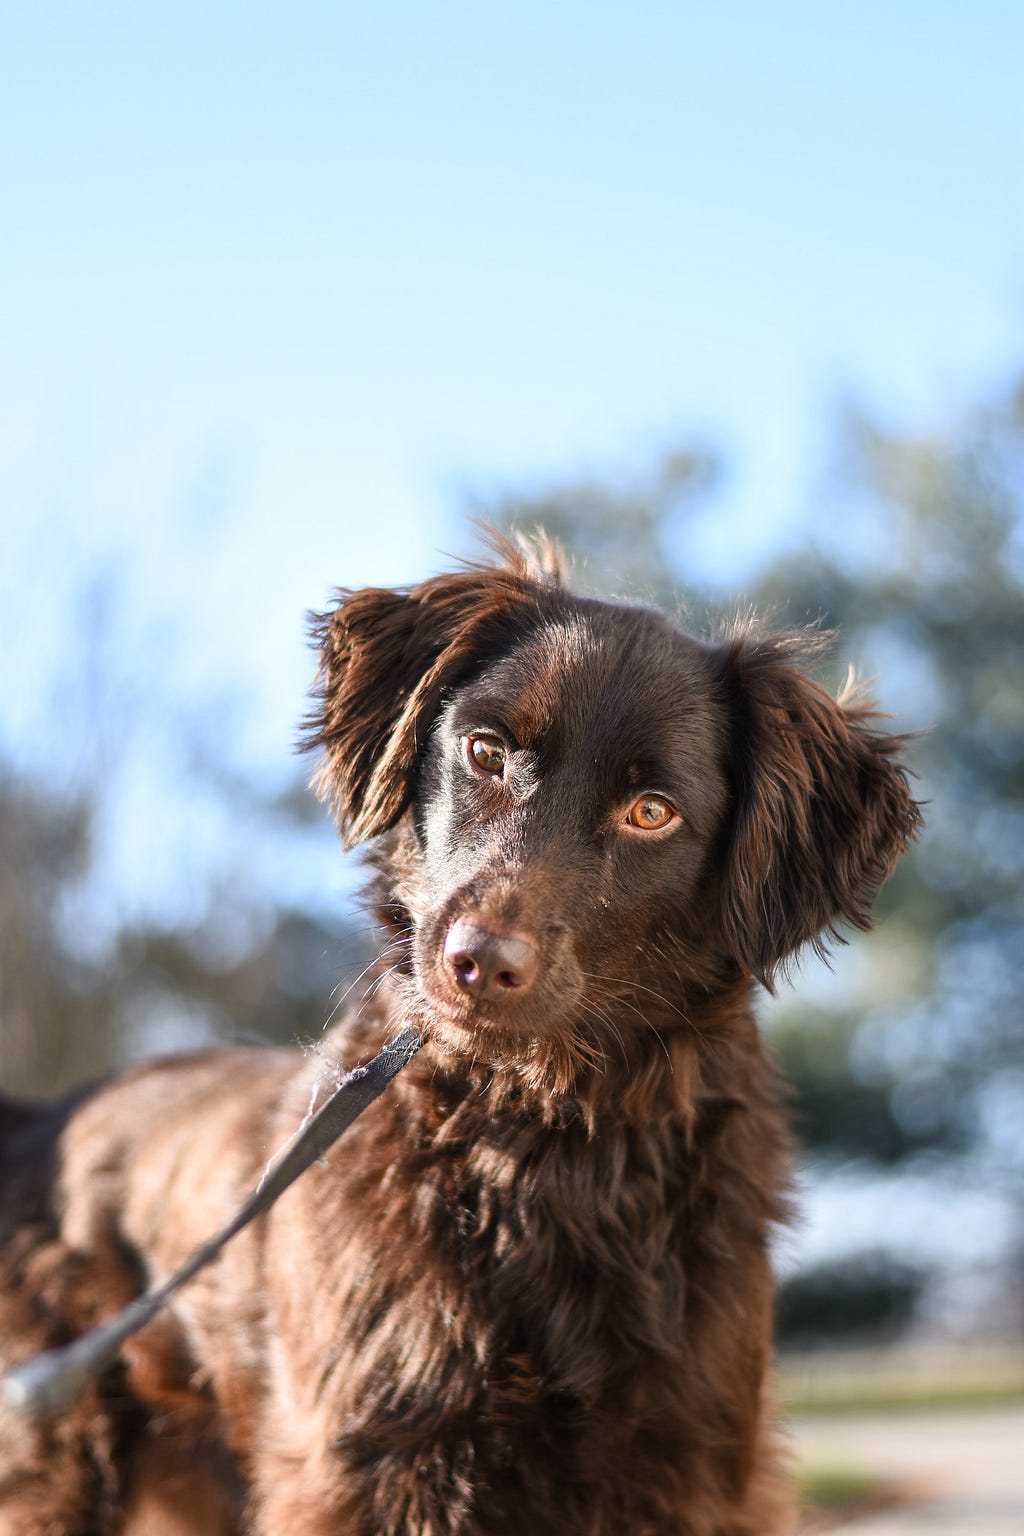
(868, 1300)
(922, 568)
(50, 1022)
(251, 970)
(617, 530)
(88, 977)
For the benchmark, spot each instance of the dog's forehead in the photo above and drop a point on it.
(624, 673)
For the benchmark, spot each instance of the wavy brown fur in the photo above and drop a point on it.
(530, 1291)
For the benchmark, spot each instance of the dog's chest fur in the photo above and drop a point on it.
(510, 1308)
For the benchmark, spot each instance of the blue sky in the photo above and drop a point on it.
(278, 283)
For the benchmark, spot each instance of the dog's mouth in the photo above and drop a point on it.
(526, 1044)
(473, 1018)
(485, 981)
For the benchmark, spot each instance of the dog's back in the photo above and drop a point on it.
(104, 1190)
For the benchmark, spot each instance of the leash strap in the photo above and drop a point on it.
(48, 1382)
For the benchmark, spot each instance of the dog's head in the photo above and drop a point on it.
(596, 816)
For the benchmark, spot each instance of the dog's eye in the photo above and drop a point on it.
(487, 753)
(649, 813)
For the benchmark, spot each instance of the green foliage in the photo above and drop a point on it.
(830, 1485)
(870, 1299)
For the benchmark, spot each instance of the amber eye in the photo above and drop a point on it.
(649, 813)
(487, 753)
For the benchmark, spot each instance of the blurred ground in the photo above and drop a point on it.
(952, 1470)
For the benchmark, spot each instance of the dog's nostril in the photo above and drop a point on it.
(465, 968)
(490, 965)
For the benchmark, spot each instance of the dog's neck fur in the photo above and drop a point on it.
(641, 1074)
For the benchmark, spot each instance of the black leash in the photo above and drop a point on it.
(50, 1381)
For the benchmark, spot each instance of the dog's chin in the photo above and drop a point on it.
(515, 1038)
(473, 1028)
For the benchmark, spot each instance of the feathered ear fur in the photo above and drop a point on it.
(386, 658)
(822, 806)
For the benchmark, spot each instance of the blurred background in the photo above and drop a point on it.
(731, 299)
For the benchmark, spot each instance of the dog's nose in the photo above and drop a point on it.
(495, 966)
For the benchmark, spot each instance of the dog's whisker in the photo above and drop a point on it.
(604, 1019)
(368, 995)
(638, 986)
(378, 981)
(648, 1025)
(634, 986)
(389, 948)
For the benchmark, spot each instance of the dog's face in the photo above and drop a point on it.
(590, 807)
(567, 803)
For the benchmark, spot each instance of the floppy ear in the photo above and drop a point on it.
(385, 659)
(822, 807)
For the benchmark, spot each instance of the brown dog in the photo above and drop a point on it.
(530, 1291)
